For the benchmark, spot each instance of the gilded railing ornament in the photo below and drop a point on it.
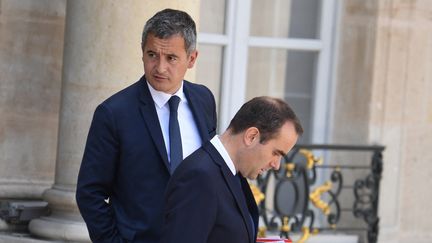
(257, 194)
(290, 196)
(315, 197)
(285, 226)
(311, 160)
(262, 231)
(305, 235)
(290, 167)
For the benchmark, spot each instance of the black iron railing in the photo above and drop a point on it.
(311, 193)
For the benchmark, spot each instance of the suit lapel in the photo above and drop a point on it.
(233, 185)
(250, 200)
(148, 111)
(197, 111)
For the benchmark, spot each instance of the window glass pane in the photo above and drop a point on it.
(285, 18)
(209, 68)
(285, 74)
(212, 16)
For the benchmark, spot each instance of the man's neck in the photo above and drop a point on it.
(230, 143)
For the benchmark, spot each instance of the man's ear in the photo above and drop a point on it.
(192, 58)
(251, 136)
(142, 51)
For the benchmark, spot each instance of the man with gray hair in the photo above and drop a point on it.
(139, 136)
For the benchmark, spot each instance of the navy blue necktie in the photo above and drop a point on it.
(176, 153)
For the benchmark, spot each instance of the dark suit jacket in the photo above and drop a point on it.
(125, 160)
(204, 202)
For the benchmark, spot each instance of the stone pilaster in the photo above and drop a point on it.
(31, 51)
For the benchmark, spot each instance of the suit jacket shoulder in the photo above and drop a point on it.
(202, 100)
(202, 202)
(127, 96)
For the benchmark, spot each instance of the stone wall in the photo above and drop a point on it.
(401, 118)
(384, 96)
(355, 70)
(31, 51)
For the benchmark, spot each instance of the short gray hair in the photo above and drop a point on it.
(169, 22)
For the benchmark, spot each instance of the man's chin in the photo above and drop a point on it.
(159, 86)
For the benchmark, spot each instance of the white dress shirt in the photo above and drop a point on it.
(190, 137)
(224, 153)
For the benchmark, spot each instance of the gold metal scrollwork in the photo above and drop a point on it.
(262, 231)
(311, 159)
(285, 226)
(315, 197)
(257, 194)
(289, 169)
(305, 235)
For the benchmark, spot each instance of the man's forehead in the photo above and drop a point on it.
(165, 44)
(286, 138)
(174, 37)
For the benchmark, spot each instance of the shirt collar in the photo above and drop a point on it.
(161, 98)
(224, 153)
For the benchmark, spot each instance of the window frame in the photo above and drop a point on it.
(236, 42)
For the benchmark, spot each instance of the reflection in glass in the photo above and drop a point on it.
(285, 18)
(209, 68)
(285, 74)
(212, 17)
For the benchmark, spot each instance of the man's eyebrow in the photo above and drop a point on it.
(280, 152)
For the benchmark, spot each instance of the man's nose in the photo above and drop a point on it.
(161, 65)
(276, 163)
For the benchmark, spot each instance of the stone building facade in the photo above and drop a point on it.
(59, 59)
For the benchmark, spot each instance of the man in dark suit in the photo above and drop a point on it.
(208, 199)
(139, 135)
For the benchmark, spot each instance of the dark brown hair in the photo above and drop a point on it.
(268, 114)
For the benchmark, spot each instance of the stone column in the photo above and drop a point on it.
(31, 51)
(102, 55)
